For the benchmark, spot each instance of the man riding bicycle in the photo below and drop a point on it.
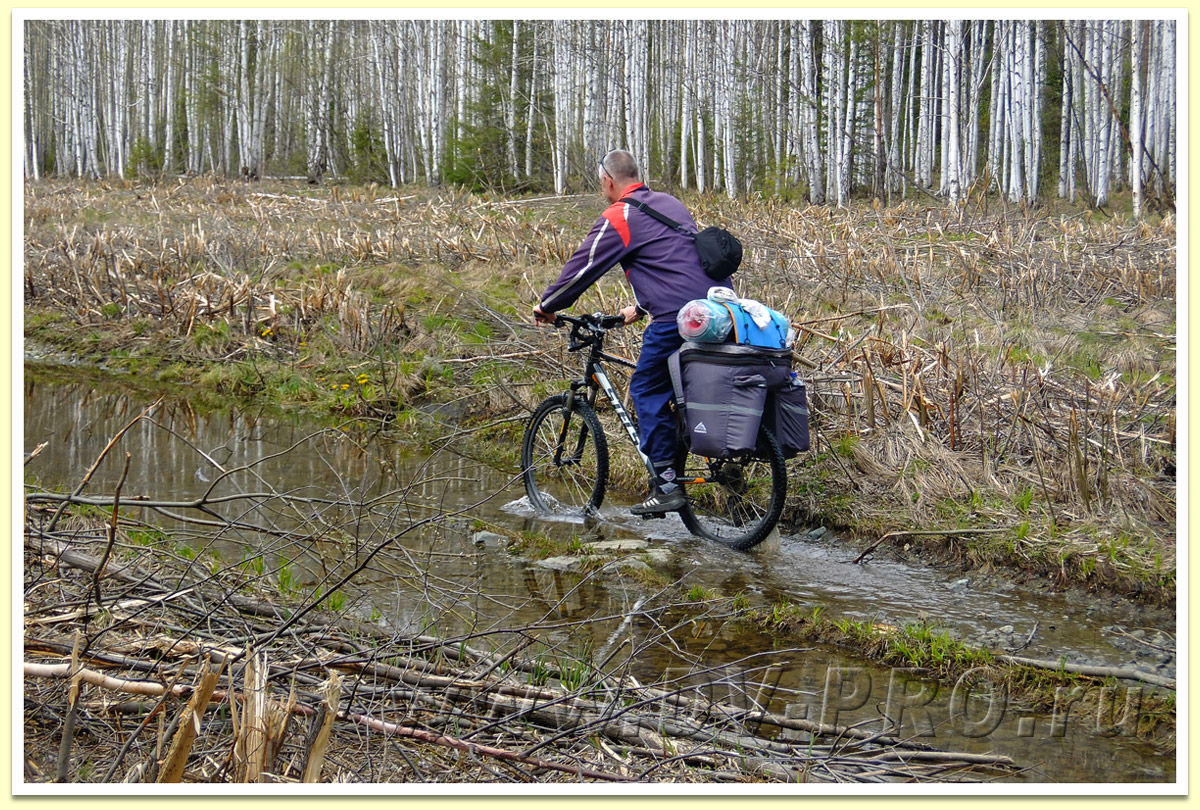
(663, 267)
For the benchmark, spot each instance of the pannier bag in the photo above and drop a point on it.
(786, 414)
(721, 390)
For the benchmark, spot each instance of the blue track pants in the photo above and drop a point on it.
(652, 392)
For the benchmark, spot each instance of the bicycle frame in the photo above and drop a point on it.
(595, 379)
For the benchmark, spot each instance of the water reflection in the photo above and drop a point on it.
(327, 502)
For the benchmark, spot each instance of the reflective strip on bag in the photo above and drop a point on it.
(742, 409)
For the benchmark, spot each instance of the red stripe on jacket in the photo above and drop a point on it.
(616, 215)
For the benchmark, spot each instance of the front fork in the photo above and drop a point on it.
(565, 429)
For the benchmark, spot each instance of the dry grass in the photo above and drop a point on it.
(983, 367)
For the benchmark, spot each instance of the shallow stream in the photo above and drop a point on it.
(179, 453)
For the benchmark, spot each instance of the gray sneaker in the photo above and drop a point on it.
(659, 502)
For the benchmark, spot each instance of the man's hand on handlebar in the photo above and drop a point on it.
(596, 322)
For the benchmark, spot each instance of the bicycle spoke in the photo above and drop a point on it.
(565, 470)
(736, 502)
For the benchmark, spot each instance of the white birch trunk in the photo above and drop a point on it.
(810, 120)
(704, 100)
(923, 166)
(381, 53)
(780, 119)
(244, 105)
(561, 67)
(834, 82)
(438, 107)
(462, 75)
(1069, 122)
(978, 70)
(1015, 116)
(1169, 146)
(32, 151)
(637, 50)
(1080, 139)
(87, 139)
(729, 141)
(893, 179)
(687, 99)
(798, 101)
(1136, 126)
(319, 40)
(119, 125)
(844, 166)
(168, 93)
(1103, 115)
(532, 116)
(510, 106)
(943, 112)
(952, 160)
(1036, 101)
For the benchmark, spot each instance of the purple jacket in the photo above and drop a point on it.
(661, 263)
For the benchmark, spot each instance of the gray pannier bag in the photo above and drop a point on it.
(786, 414)
(721, 390)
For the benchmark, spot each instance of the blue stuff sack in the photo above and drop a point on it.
(746, 332)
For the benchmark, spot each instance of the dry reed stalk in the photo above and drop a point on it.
(189, 725)
(322, 726)
(251, 735)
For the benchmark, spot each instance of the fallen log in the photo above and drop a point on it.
(1094, 671)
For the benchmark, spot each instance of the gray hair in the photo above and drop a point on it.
(620, 165)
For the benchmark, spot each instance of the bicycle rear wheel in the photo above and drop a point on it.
(564, 458)
(735, 501)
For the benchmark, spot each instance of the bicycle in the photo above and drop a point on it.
(564, 455)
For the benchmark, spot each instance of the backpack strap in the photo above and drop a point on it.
(676, 380)
(663, 218)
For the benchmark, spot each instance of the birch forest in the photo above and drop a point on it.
(822, 110)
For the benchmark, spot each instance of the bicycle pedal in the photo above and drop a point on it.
(655, 516)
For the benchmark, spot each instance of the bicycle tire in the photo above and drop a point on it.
(740, 500)
(571, 482)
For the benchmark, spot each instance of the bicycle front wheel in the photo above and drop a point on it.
(564, 458)
(735, 501)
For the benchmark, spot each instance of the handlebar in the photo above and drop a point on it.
(595, 322)
(587, 329)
